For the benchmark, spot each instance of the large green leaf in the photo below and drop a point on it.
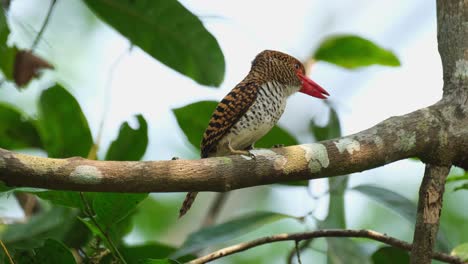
(7, 54)
(131, 143)
(49, 224)
(111, 208)
(63, 198)
(226, 231)
(63, 126)
(400, 205)
(461, 251)
(169, 33)
(159, 261)
(53, 252)
(153, 250)
(193, 120)
(16, 131)
(352, 52)
(390, 255)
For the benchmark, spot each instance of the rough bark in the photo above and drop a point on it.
(417, 134)
(428, 216)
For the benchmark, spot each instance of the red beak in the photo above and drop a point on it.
(311, 88)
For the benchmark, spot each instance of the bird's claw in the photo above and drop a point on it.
(251, 155)
(278, 146)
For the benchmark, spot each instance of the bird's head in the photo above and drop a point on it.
(285, 69)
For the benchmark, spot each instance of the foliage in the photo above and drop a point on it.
(352, 52)
(97, 223)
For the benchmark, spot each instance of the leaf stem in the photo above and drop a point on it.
(88, 212)
(44, 25)
(6, 252)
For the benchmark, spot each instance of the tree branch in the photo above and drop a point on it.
(431, 194)
(320, 233)
(417, 134)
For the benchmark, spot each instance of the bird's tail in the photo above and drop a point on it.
(189, 199)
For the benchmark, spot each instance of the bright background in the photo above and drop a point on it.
(94, 62)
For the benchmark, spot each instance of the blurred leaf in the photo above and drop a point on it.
(392, 200)
(63, 198)
(352, 52)
(131, 143)
(53, 252)
(7, 54)
(63, 127)
(158, 261)
(457, 178)
(49, 224)
(110, 208)
(16, 131)
(276, 136)
(153, 250)
(331, 130)
(461, 251)
(343, 250)
(400, 205)
(390, 255)
(216, 234)
(193, 119)
(153, 218)
(169, 33)
(461, 187)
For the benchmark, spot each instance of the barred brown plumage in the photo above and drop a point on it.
(253, 107)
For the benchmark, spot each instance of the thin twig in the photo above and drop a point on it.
(298, 251)
(302, 246)
(44, 25)
(215, 209)
(88, 211)
(6, 252)
(321, 233)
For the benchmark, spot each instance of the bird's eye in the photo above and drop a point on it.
(297, 66)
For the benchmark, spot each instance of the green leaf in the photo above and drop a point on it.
(158, 261)
(63, 198)
(345, 251)
(7, 53)
(16, 131)
(111, 208)
(392, 200)
(461, 251)
(352, 52)
(277, 135)
(63, 126)
(53, 252)
(457, 178)
(194, 118)
(49, 224)
(331, 130)
(169, 33)
(461, 187)
(131, 143)
(400, 205)
(390, 255)
(226, 231)
(152, 250)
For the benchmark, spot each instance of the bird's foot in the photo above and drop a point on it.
(241, 152)
(278, 146)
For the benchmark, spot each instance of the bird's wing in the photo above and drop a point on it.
(227, 113)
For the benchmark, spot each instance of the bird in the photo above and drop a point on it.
(253, 107)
